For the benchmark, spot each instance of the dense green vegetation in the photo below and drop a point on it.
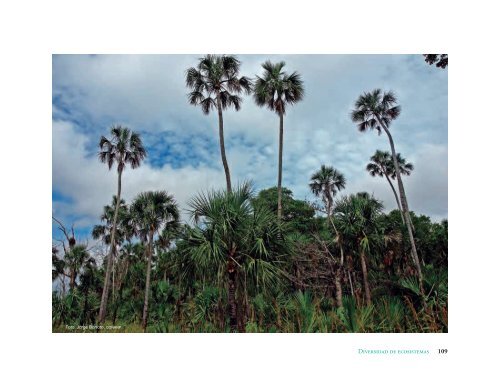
(256, 261)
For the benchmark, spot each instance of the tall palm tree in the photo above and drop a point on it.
(124, 147)
(122, 232)
(325, 183)
(103, 231)
(58, 265)
(125, 258)
(376, 110)
(276, 89)
(88, 280)
(74, 260)
(151, 212)
(168, 235)
(234, 241)
(382, 165)
(357, 218)
(216, 84)
(70, 264)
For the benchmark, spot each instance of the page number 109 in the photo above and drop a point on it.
(442, 351)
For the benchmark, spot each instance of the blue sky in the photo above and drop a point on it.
(147, 93)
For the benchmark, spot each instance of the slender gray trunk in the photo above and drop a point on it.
(350, 282)
(364, 270)
(109, 264)
(113, 283)
(330, 219)
(338, 288)
(63, 285)
(72, 279)
(231, 271)
(221, 141)
(280, 165)
(396, 196)
(120, 290)
(148, 282)
(404, 204)
(338, 284)
(83, 318)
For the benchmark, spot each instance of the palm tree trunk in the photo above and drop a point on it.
(83, 319)
(109, 265)
(148, 283)
(231, 271)
(404, 204)
(233, 321)
(338, 285)
(113, 283)
(280, 165)
(246, 312)
(63, 285)
(115, 310)
(120, 292)
(329, 209)
(397, 198)
(222, 147)
(364, 270)
(350, 281)
(72, 279)
(338, 288)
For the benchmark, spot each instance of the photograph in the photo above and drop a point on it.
(249, 193)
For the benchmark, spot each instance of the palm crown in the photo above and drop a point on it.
(232, 226)
(276, 88)
(77, 257)
(223, 211)
(382, 163)
(230, 221)
(151, 210)
(104, 230)
(357, 214)
(405, 168)
(124, 147)
(216, 75)
(375, 108)
(326, 181)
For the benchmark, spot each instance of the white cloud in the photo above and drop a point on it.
(88, 182)
(148, 93)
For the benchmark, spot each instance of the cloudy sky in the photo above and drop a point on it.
(147, 94)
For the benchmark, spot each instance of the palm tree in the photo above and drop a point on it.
(74, 260)
(87, 281)
(58, 266)
(126, 257)
(382, 165)
(123, 231)
(376, 110)
(151, 212)
(441, 60)
(124, 147)
(70, 264)
(216, 84)
(276, 89)
(103, 231)
(357, 218)
(326, 182)
(168, 235)
(234, 241)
